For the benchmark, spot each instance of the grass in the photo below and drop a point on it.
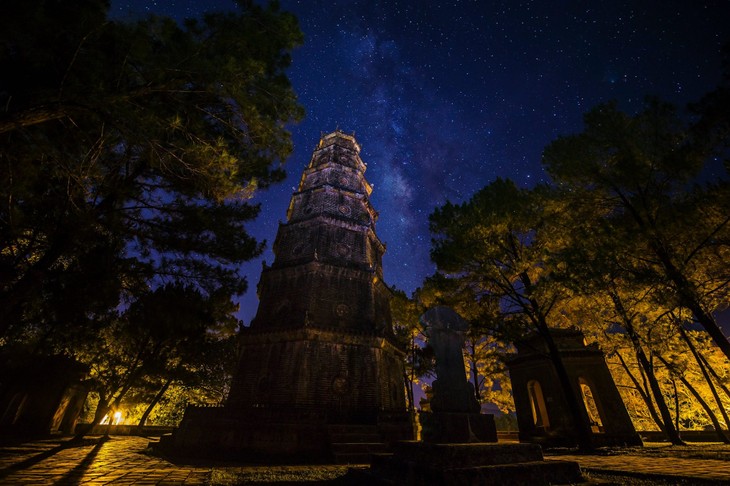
(284, 475)
(348, 475)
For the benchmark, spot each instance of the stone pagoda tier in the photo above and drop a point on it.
(320, 351)
(321, 339)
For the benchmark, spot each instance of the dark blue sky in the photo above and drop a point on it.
(446, 96)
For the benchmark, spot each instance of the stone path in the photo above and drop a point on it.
(122, 460)
(118, 460)
(700, 471)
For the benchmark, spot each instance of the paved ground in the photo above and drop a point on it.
(692, 471)
(122, 460)
(118, 460)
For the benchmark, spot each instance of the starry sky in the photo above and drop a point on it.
(445, 96)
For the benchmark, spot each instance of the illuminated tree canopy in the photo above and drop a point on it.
(627, 243)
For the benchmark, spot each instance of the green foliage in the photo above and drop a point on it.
(629, 176)
(498, 247)
(648, 151)
(622, 245)
(172, 337)
(130, 154)
(130, 151)
(497, 250)
(506, 422)
(418, 360)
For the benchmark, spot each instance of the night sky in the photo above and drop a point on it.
(446, 96)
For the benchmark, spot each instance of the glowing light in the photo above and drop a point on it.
(116, 419)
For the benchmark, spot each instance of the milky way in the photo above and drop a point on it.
(446, 96)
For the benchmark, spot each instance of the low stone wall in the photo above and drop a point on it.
(257, 435)
(147, 430)
(512, 436)
(688, 435)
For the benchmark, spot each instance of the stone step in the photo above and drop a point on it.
(352, 458)
(381, 461)
(356, 453)
(354, 437)
(358, 447)
(352, 429)
(354, 444)
(466, 455)
(533, 473)
(419, 463)
(165, 440)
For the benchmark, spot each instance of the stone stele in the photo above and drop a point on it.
(454, 449)
(455, 413)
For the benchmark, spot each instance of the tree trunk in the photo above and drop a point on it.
(409, 377)
(409, 391)
(102, 408)
(689, 299)
(710, 414)
(687, 296)
(475, 378)
(656, 390)
(706, 375)
(669, 428)
(643, 394)
(710, 325)
(475, 375)
(712, 371)
(154, 403)
(676, 403)
(584, 435)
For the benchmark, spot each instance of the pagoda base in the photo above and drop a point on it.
(257, 435)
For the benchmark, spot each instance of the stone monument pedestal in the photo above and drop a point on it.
(456, 427)
(455, 448)
(422, 463)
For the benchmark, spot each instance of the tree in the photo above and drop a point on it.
(204, 373)
(711, 131)
(499, 245)
(165, 335)
(409, 334)
(636, 170)
(485, 357)
(708, 382)
(610, 295)
(130, 152)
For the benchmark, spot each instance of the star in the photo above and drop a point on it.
(447, 96)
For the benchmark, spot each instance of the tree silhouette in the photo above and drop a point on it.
(130, 151)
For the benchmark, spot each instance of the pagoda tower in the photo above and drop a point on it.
(321, 339)
(318, 366)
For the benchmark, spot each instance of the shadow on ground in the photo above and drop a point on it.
(68, 444)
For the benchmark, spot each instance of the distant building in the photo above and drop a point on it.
(320, 351)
